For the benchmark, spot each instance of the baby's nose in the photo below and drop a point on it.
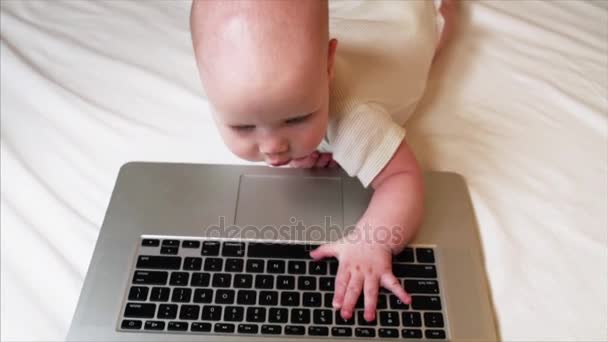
(274, 147)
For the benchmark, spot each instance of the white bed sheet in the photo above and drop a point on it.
(517, 104)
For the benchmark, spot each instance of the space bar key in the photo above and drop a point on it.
(279, 250)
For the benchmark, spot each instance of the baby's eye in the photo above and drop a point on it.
(298, 120)
(243, 128)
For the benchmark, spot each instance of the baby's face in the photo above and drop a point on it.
(274, 125)
(267, 81)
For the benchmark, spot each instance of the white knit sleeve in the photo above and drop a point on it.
(364, 140)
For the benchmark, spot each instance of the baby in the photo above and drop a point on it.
(268, 70)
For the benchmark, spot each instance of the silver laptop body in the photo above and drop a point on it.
(244, 203)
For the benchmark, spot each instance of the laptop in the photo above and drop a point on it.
(220, 253)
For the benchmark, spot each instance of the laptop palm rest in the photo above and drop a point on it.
(288, 207)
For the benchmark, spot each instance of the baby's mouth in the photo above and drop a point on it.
(279, 163)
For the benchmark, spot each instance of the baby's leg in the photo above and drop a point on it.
(447, 9)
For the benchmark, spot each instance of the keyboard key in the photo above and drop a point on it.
(167, 311)
(290, 298)
(317, 267)
(150, 242)
(322, 316)
(294, 330)
(389, 318)
(130, 324)
(365, 332)
(269, 298)
(255, 266)
(279, 250)
(296, 267)
(200, 279)
(286, 282)
(311, 299)
(139, 310)
(191, 244)
(271, 329)
(247, 329)
(234, 265)
(406, 255)
(386, 332)
(411, 333)
(307, 283)
(414, 271)
(189, 312)
(426, 303)
(425, 255)
(342, 321)
(138, 293)
(223, 328)
(333, 266)
(327, 283)
(177, 326)
(341, 331)
(213, 264)
(221, 280)
(159, 262)
(361, 319)
(396, 303)
(300, 316)
(211, 313)
(202, 296)
(246, 297)
(434, 334)
(329, 297)
(233, 313)
(193, 264)
(381, 304)
(224, 296)
(433, 319)
(255, 314)
(171, 243)
(277, 315)
(421, 286)
(210, 248)
(318, 331)
(168, 250)
(154, 325)
(275, 266)
(200, 326)
(181, 295)
(243, 281)
(264, 281)
(179, 279)
(233, 249)
(411, 319)
(150, 277)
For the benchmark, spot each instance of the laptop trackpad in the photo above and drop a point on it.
(275, 207)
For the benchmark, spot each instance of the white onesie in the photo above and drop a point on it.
(384, 54)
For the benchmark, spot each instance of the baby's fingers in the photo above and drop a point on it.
(323, 160)
(353, 291)
(342, 279)
(323, 251)
(392, 284)
(370, 292)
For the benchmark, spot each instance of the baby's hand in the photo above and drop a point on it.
(363, 266)
(315, 159)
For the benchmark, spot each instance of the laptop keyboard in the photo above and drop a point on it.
(215, 286)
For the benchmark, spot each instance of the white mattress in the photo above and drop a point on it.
(517, 104)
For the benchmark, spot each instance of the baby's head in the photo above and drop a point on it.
(266, 68)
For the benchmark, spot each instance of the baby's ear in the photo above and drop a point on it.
(331, 57)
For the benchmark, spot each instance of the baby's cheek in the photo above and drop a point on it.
(242, 148)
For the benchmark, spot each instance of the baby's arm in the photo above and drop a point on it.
(394, 214)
